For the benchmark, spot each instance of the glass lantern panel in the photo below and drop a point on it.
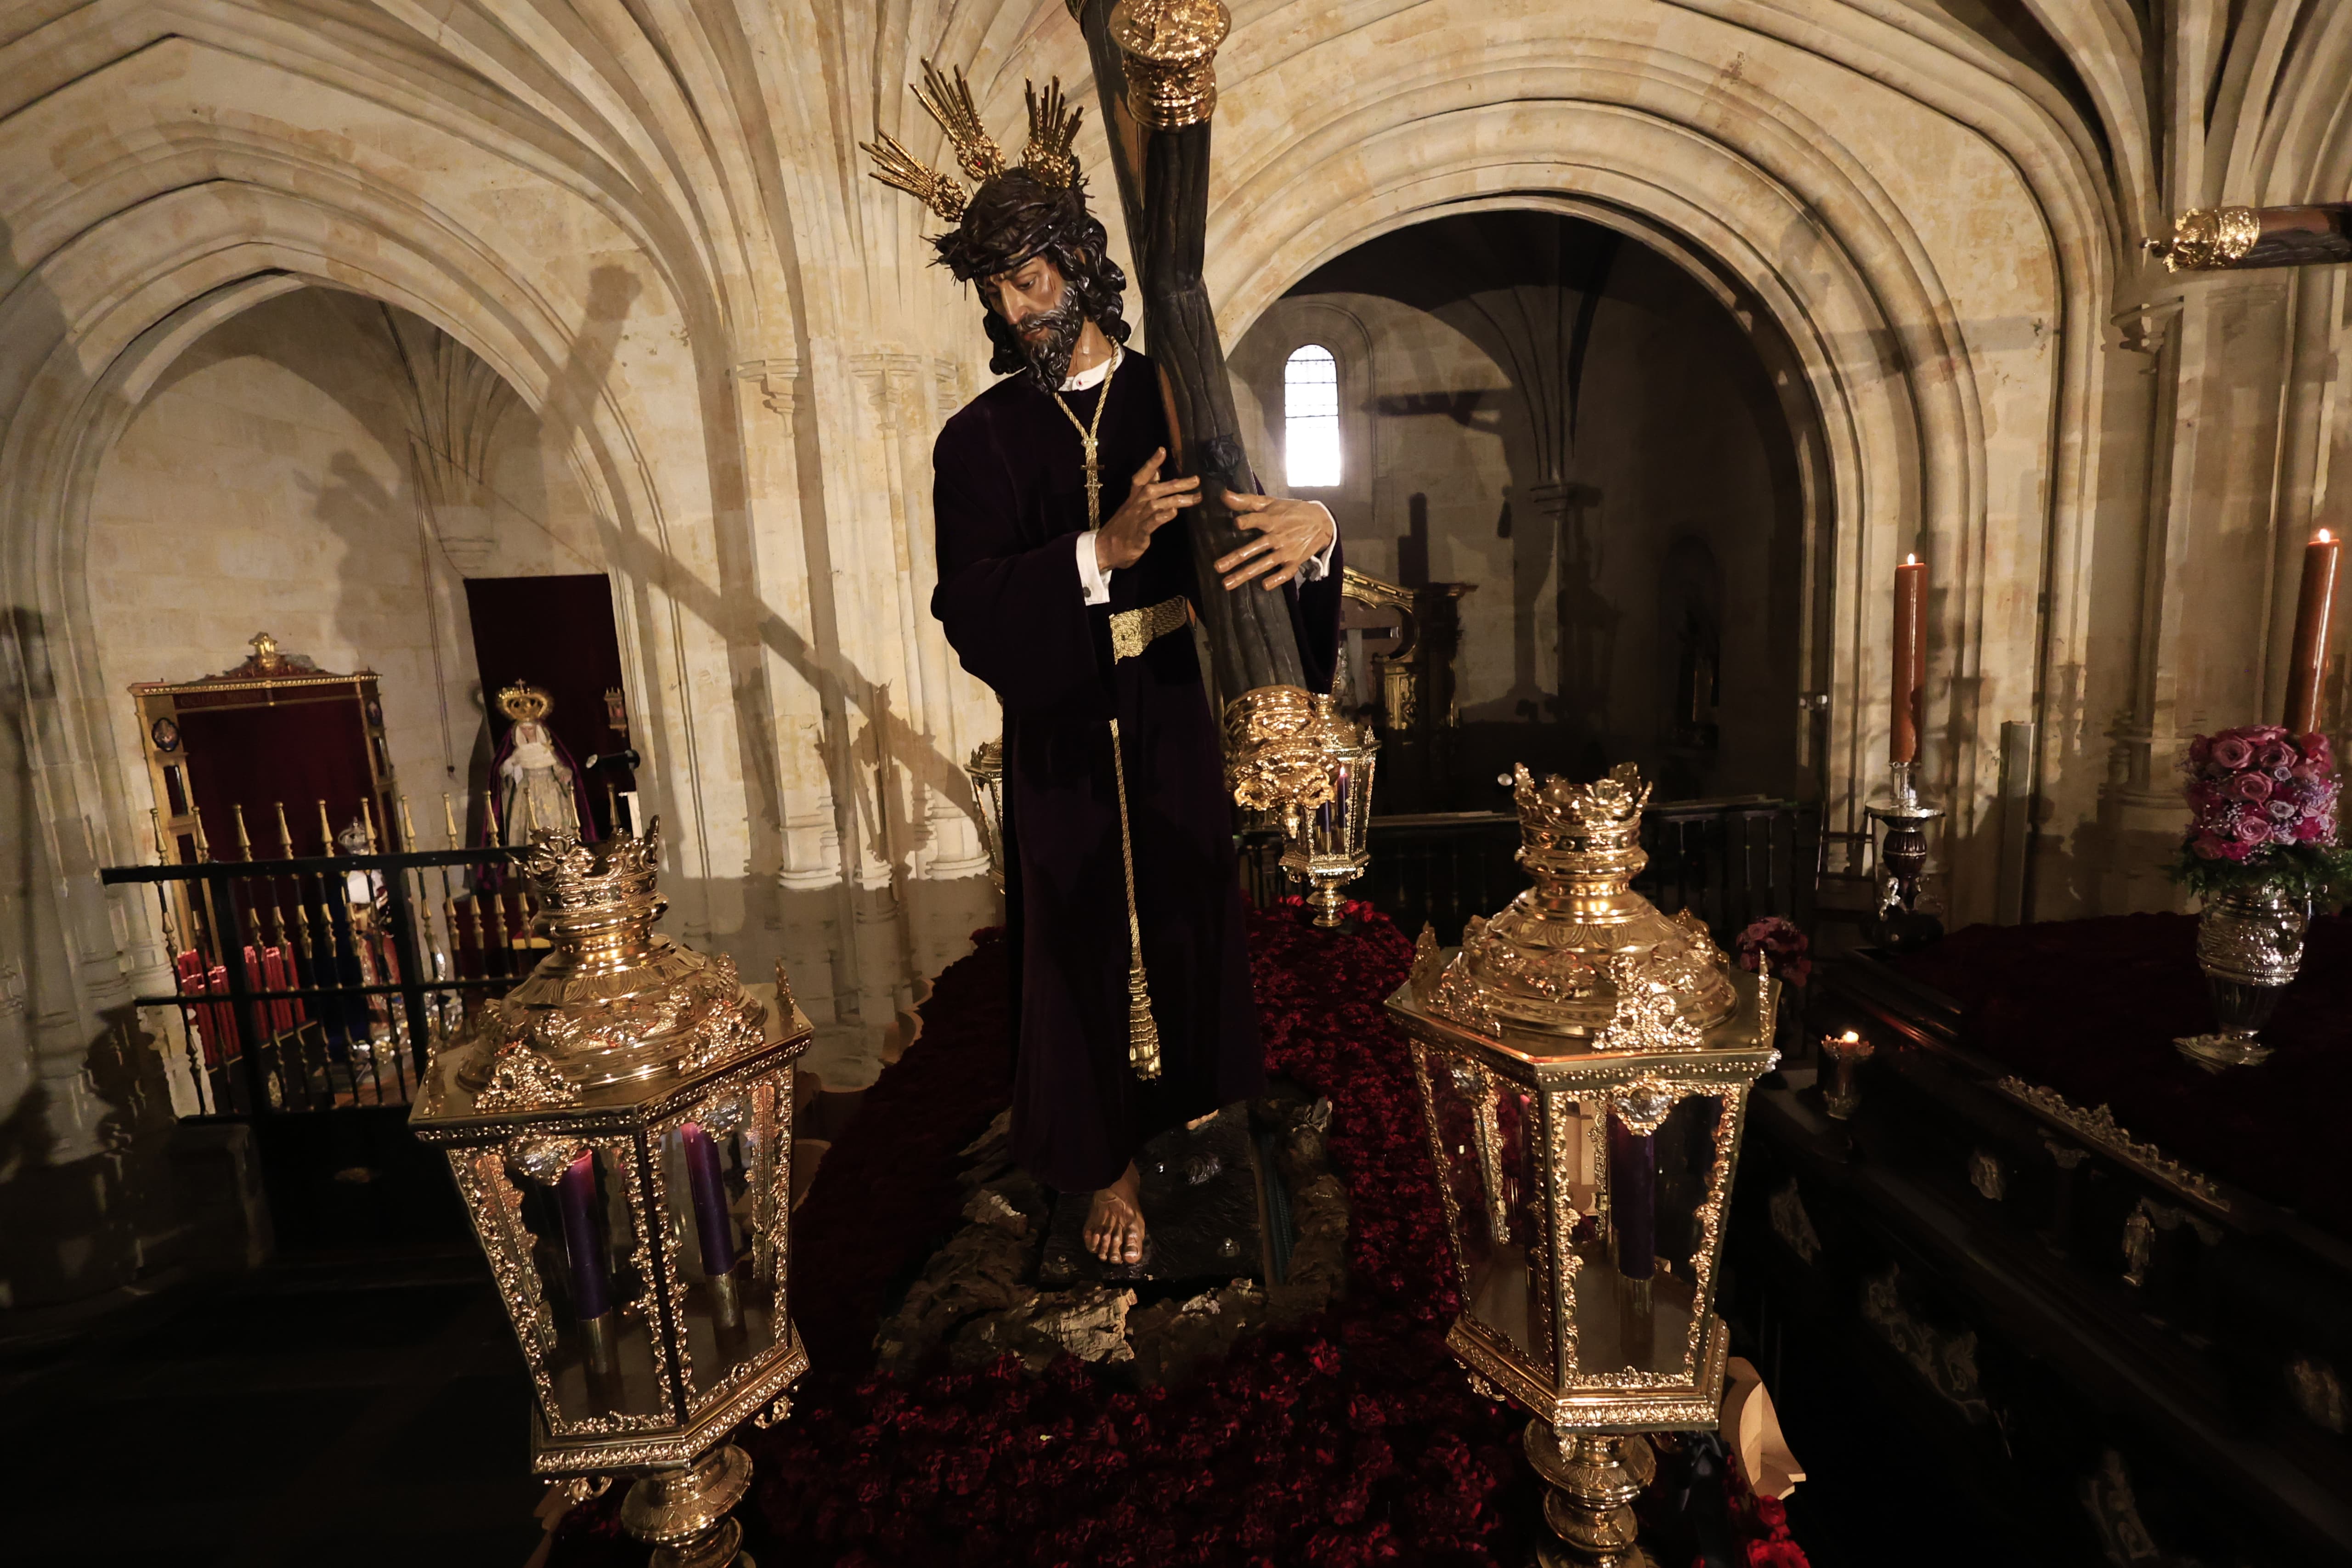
(1636, 1289)
(713, 1179)
(1494, 1256)
(1686, 1156)
(1520, 1161)
(597, 1287)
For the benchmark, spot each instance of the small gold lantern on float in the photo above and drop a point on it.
(1584, 1065)
(986, 770)
(620, 1126)
(1292, 751)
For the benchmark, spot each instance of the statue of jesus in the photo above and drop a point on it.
(1067, 584)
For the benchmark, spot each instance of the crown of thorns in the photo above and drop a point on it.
(1053, 127)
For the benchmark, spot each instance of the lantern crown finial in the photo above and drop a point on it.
(1565, 957)
(1605, 814)
(570, 876)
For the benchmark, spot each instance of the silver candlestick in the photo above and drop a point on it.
(1903, 857)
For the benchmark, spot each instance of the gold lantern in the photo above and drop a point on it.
(620, 1127)
(1324, 845)
(986, 770)
(1290, 751)
(1584, 1065)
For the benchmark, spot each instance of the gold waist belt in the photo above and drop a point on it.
(1132, 631)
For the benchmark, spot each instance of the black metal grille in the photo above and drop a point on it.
(1733, 861)
(318, 984)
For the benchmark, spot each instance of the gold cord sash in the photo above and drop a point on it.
(1142, 1033)
(1089, 440)
(1132, 631)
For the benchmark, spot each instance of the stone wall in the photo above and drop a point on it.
(655, 228)
(282, 476)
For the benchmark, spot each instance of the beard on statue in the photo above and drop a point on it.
(1048, 338)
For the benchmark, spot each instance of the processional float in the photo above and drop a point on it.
(1577, 1037)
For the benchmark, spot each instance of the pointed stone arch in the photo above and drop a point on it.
(1889, 370)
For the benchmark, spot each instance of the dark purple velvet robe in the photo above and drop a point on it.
(1010, 492)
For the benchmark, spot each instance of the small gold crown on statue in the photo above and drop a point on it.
(1603, 817)
(570, 876)
(1053, 127)
(523, 700)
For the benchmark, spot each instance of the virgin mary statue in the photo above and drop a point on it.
(539, 787)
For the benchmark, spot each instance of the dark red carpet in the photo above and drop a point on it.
(1354, 1440)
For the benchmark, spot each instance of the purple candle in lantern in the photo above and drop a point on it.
(576, 1195)
(710, 1220)
(1633, 1199)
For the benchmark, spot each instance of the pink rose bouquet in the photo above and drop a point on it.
(1783, 946)
(2263, 811)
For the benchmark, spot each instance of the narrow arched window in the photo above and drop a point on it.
(1311, 418)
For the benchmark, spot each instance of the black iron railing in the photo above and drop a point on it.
(317, 983)
(1733, 861)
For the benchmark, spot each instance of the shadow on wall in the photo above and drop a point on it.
(77, 1227)
(85, 1187)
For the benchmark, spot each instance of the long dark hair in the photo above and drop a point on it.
(1015, 216)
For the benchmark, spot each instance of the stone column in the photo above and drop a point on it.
(2218, 357)
(812, 910)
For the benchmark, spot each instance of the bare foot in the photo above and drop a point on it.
(1115, 1223)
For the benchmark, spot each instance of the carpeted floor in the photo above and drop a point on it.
(1352, 1440)
(362, 1409)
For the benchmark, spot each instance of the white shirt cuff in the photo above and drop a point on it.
(1094, 582)
(1314, 571)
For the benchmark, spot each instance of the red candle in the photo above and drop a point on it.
(1910, 656)
(2307, 667)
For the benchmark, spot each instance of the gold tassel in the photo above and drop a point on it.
(1142, 1032)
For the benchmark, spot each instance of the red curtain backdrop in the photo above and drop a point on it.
(298, 751)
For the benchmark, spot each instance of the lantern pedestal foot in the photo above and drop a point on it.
(682, 1513)
(1328, 904)
(1591, 1480)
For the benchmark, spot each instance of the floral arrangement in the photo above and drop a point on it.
(1782, 945)
(2262, 813)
